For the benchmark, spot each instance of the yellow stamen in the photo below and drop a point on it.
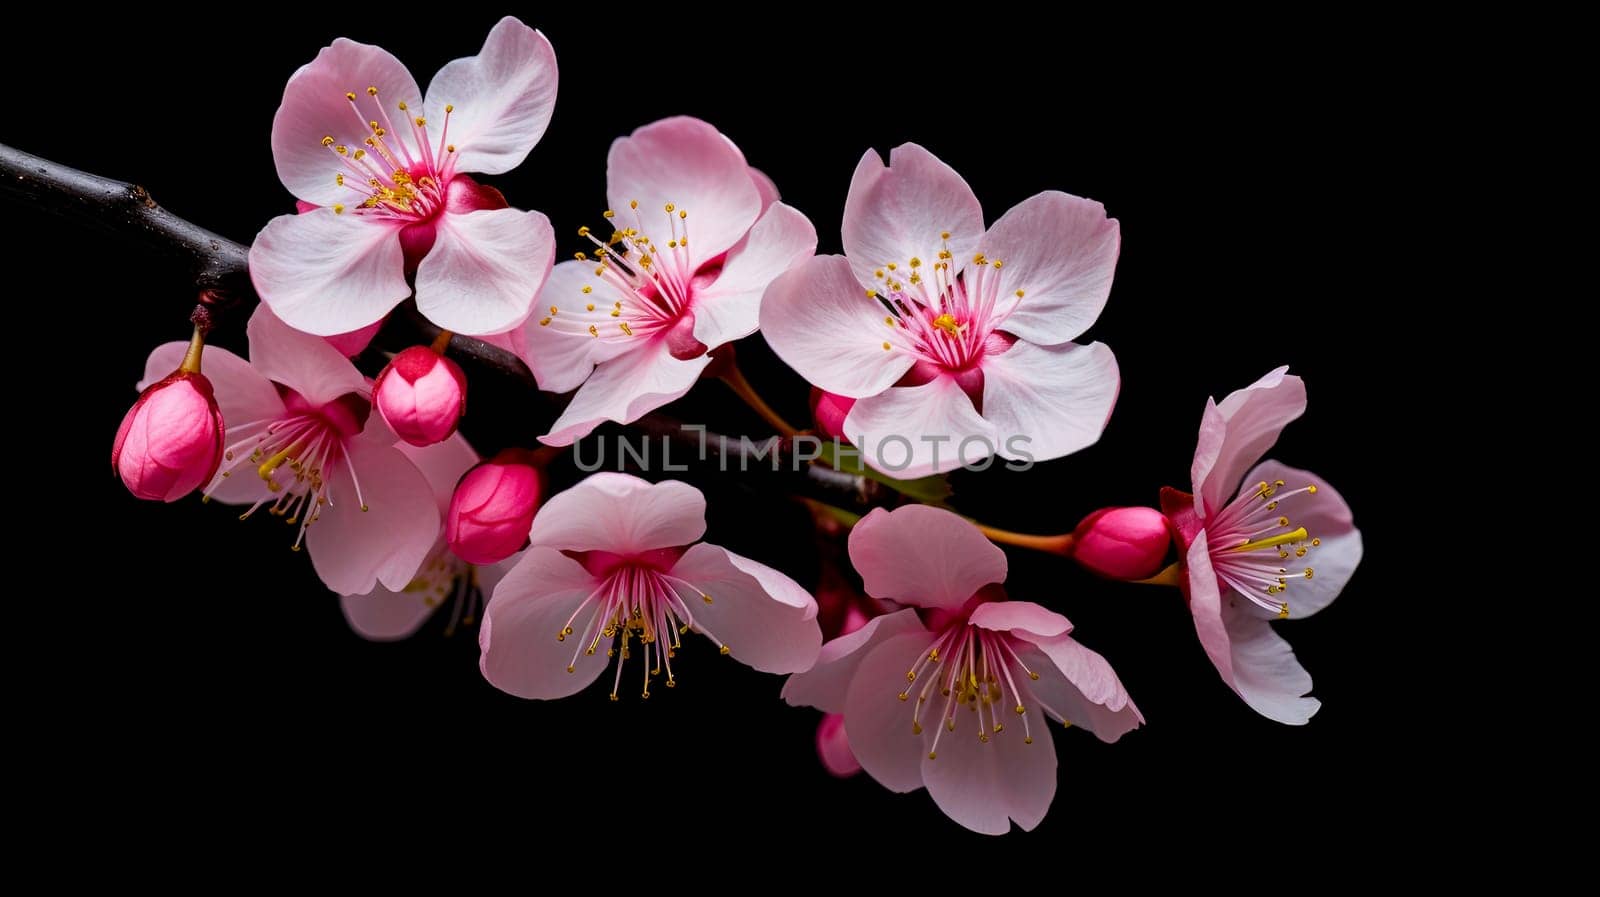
(1297, 535)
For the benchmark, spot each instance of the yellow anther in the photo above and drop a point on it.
(327, 141)
(448, 107)
(372, 91)
(671, 207)
(634, 204)
(724, 649)
(1312, 490)
(944, 235)
(351, 97)
(403, 105)
(683, 213)
(450, 149)
(580, 256)
(338, 208)
(932, 756)
(888, 319)
(916, 262)
(625, 328)
(594, 331)
(886, 347)
(1283, 611)
(553, 309)
(706, 598)
(947, 323)
(608, 214)
(544, 322)
(893, 266)
(872, 294)
(341, 149)
(583, 231)
(421, 122)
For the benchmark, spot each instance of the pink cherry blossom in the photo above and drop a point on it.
(616, 568)
(833, 747)
(696, 236)
(304, 445)
(954, 692)
(383, 168)
(170, 441)
(1261, 541)
(421, 395)
(385, 614)
(955, 340)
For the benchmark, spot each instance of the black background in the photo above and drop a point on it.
(210, 672)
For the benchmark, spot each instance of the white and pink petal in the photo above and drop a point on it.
(501, 99)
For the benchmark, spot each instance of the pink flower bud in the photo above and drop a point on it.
(421, 394)
(829, 411)
(492, 508)
(833, 747)
(1122, 543)
(170, 442)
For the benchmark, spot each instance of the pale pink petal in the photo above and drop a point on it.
(315, 106)
(827, 683)
(243, 394)
(304, 363)
(1020, 617)
(1049, 401)
(502, 98)
(1077, 685)
(898, 213)
(1265, 671)
(833, 747)
(688, 163)
(927, 557)
(730, 306)
(764, 186)
(1061, 251)
(766, 619)
(1326, 517)
(880, 723)
(535, 601)
(625, 389)
(382, 615)
(442, 465)
(485, 269)
(912, 431)
(561, 357)
(983, 785)
(327, 273)
(621, 514)
(1258, 665)
(825, 326)
(1252, 419)
(354, 549)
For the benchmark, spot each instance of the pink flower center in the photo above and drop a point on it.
(1251, 540)
(393, 178)
(657, 283)
(974, 668)
(940, 318)
(297, 455)
(637, 599)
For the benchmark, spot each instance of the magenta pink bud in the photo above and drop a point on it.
(829, 411)
(421, 395)
(1122, 543)
(170, 442)
(492, 508)
(833, 747)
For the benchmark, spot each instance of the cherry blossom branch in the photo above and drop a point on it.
(219, 265)
(220, 268)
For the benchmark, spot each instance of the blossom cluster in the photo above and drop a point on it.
(936, 341)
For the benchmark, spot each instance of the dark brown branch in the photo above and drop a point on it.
(221, 267)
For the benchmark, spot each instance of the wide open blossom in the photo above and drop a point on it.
(1259, 543)
(383, 166)
(954, 692)
(614, 568)
(955, 340)
(304, 445)
(696, 236)
(385, 614)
